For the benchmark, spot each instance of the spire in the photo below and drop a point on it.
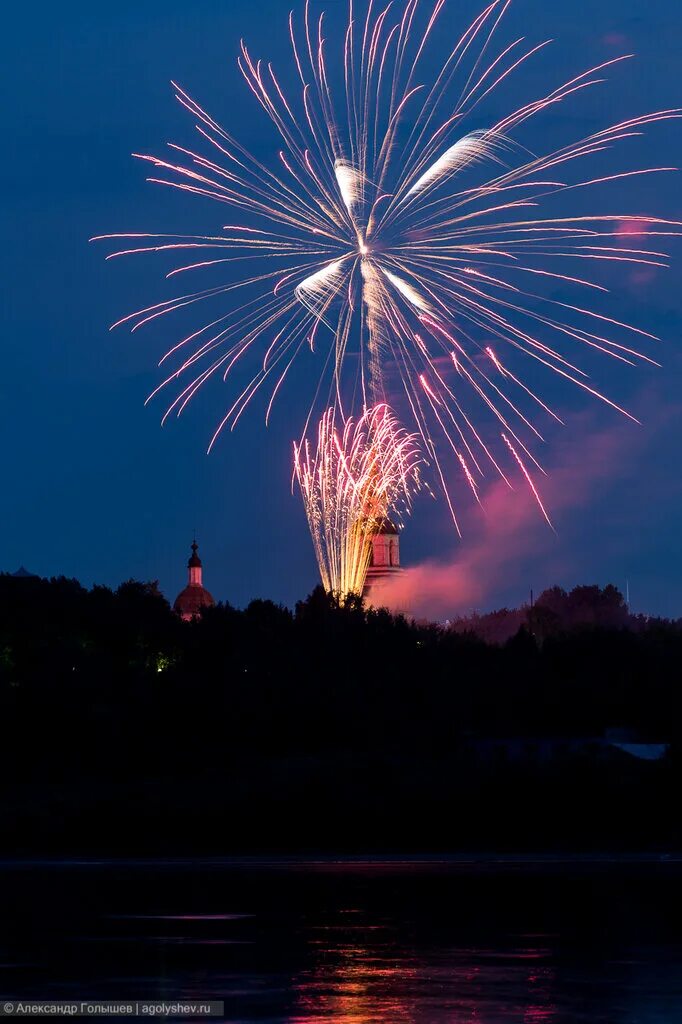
(194, 566)
(194, 597)
(195, 561)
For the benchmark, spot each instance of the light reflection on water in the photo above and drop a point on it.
(362, 988)
(352, 984)
(290, 943)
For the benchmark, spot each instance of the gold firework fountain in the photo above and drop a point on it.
(358, 472)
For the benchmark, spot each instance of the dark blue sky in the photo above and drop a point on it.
(94, 488)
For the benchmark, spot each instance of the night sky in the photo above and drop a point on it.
(95, 489)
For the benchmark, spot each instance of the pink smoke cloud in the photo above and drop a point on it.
(634, 226)
(628, 232)
(512, 528)
(617, 39)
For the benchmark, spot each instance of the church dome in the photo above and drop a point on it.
(190, 601)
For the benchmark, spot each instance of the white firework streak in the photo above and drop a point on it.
(394, 241)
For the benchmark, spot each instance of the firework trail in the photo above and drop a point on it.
(358, 471)
(399, 234)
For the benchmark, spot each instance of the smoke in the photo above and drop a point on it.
(512, 530)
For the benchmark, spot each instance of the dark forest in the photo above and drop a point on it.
(127, 730)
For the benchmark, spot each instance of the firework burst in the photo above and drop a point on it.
(358, 472)
(399, 237)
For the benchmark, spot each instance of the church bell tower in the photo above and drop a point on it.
(384, 561)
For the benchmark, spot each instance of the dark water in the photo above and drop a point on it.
(396, 943)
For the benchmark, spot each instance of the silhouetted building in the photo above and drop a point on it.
(385, 558)
(195, 596)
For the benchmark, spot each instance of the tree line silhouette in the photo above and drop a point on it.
(327, 727)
